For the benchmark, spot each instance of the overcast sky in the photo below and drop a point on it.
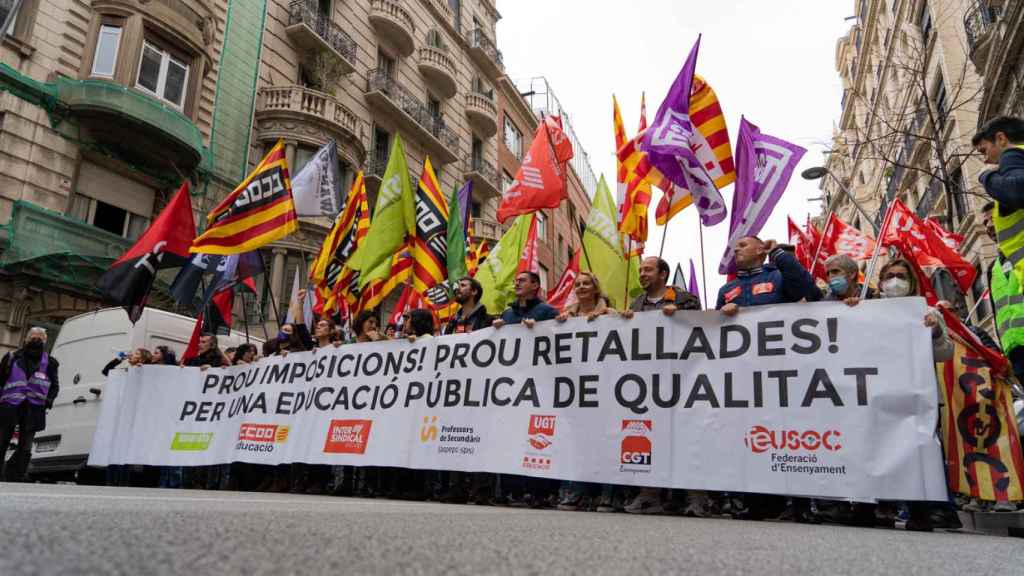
(772, 61)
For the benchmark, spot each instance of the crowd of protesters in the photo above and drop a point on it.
(768, 273)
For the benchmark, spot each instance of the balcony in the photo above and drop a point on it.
(439, 70)
(486, 229)
(482, 113)
(139, 128)
(304, 114)
(388, 96)
(486, 55)
(445, 14)
(484, 176)
(979, 23)
(312, 31)
(374, 173)
(392, 21)
(49, 245)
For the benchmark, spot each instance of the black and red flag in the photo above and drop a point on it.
(165, 244)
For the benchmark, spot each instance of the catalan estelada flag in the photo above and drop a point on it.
(978, 424)
(259, 211)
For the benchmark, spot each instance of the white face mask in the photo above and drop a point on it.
(895, 287)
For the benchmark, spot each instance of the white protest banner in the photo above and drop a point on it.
(805, 399)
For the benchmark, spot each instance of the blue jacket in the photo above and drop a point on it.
(1006, 183)
(780, 281)
(534, 309)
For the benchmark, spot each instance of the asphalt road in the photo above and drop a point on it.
(57, 529)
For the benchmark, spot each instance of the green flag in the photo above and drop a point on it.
(394, 219)
(456, 252)
(603, 247)
(497, 273)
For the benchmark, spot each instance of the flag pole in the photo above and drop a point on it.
(583, 247)
(703, 273)
(629, 267)
(664, 232)
(821, 241)
(874, 257)
(270, 290)
(245, 317)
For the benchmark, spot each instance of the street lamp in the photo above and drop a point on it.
(818, 172)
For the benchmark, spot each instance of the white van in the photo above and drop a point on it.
(84, 345)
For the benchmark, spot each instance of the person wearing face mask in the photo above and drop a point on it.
(28, 385)
(843, 286)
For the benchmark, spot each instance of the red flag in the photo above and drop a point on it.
(919, 242)
(806, 242)
(192, 350)
(562, 294)
(528, 260)
(540, 180)
(949, 238)
(841, 238)
(164, 244)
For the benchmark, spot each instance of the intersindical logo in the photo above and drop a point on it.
(348, 436)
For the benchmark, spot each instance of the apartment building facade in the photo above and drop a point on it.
(909, 109)
(107, 106)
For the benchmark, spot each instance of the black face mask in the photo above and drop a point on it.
(34, 347)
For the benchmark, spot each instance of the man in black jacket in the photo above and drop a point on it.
(472, 315)
(28, 386)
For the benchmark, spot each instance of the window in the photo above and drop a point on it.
(478, 152)
(105, 58)
(162, 75)
(542, 225)
(456, 6)
(435, 40)
(958, 195)
(977, 292)
(941, 103)
(104, 216)
(474, 209)
(385, 64)
(381, 146)
(513, 139)
(9, 14)
(434, 107)
(543, 272)
(506, 182)
(926, 23)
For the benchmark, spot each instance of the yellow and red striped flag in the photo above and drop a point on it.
(429, 245)
(259, 211)
(637, 197)
(979, 428)
(377, 290)
(329, 274)
(710, 144)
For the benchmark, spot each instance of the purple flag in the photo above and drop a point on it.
(764, 165)
(465, 197)
(692, 289)
(668, 144)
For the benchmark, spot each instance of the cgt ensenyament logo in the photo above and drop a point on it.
(761, 439)
(636, 454)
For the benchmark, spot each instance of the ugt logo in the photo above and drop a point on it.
(541, 431)
(428, 431)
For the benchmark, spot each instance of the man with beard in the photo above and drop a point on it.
(472, 315)
(28, 385)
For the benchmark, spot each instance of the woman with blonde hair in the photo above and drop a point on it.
(590, 301)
